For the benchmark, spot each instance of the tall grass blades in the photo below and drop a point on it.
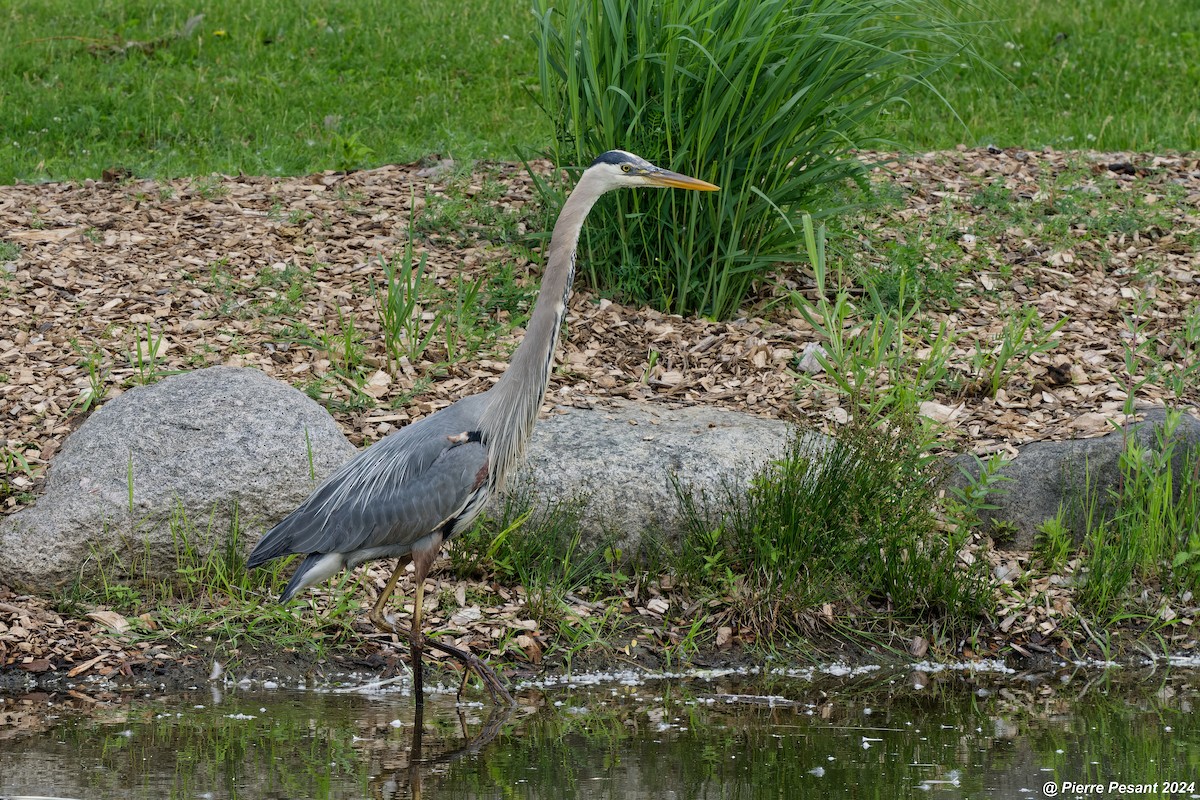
(1153, 534)
(401, 305)
(848, 518)
(145, 356)
(539, 546)
(765, 99)
(460, 320)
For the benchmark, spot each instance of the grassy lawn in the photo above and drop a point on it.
(261, 87)
(1096, 74)
(278, 88)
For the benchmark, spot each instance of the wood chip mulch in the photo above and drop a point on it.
(37, 638)
(100, 264)
(202, 269)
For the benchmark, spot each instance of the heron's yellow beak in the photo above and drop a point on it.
(664, 177)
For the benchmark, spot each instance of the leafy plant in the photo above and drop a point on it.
(349, 152)
(1178, 361)
(1024, 336)
(967, 501)
(401, 305)
(345, 348)
(922, 267)
(93, 363)
(1186, 564)
(14, 462)
(766, 99)
(145, 356)
(872, 360)
(210, 187)
(848, 518)
(459, 320)
(1053, 542)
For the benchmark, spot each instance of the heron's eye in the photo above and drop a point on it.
(624, 168)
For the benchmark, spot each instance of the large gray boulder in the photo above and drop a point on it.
(181, 463)
(618, 466)
(1047, 475)
(186, 462)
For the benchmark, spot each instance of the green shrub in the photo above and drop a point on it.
(848, 518)
(1153, 535)
(766, 99)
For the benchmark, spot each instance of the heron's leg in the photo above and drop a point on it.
(423, 556)
(376, 615)
(473, 663)
(416, 640)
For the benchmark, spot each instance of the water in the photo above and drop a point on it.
(870, 733)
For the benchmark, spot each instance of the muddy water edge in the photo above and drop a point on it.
(969, 730)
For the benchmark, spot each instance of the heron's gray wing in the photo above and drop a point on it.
(418, 470)
(398, 513)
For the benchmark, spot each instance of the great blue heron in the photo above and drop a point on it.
(425, 483)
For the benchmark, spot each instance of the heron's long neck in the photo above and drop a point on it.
(514, 402)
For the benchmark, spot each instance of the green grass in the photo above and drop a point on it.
(851, 520)
(545, 549)
(209, 593)
(262, 87)
(269, 88)
(762, 100)
(1153, 533)
(540, 547)
(399, 298)
(1100, 74)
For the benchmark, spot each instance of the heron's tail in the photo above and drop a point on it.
(273, 544)
(314, 569)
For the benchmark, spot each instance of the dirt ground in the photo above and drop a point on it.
(195, 263)
(226, 270)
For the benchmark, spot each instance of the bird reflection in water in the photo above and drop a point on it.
(405, 780)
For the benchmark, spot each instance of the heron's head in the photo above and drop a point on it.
(617, 168)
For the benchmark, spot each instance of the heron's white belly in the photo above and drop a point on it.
(326, 567)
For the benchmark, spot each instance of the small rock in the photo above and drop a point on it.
(810, 359)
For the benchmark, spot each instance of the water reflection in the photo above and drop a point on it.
(406, 781)
(874, 734)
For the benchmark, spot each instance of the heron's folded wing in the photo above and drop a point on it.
(379, 500)
(401, 462)
(403, 512)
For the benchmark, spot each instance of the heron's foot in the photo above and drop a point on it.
(473, 663)
(381, 622)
